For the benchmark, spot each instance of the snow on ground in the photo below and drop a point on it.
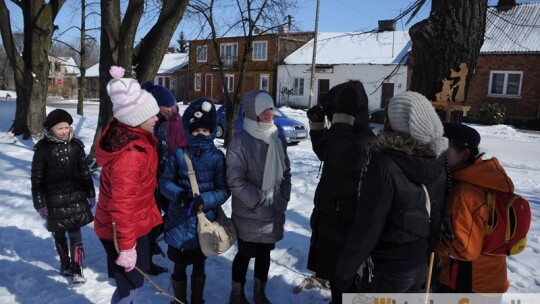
(29, 261)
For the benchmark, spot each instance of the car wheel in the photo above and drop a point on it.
(220, 133)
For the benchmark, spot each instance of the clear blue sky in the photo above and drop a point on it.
(334, 16)
(358, 15)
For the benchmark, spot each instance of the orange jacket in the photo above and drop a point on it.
(467, 214)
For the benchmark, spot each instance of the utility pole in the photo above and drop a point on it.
(313, 59)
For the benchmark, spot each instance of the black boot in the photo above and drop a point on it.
(259, 292)
(65, 261)
(237, 294)
(197, 289)
(156, 269)
(77, 264)
(180, 290)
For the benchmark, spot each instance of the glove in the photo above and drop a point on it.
(347, 103)
(127, 259)
(198, 204)
(315, 114)
(43, 212)
(185, 197)
(92, 202)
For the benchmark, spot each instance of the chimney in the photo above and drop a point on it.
(386, 25)
(283, 29)
(505, 5)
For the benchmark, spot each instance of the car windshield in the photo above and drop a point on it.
(278, 113)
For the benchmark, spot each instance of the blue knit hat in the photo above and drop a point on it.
(163, 96)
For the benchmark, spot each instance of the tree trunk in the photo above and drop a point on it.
(117, 40)
(32, 69)
(156, 42)
(82, 68)
(445, 48)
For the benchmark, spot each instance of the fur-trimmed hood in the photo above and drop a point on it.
(403, 143)
(415, 158)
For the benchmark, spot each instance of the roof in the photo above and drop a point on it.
(93, 71)
(69, 64)
(516, 30)
(171, 63)
(354, 48)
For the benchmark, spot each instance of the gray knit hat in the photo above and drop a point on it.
(413, 114)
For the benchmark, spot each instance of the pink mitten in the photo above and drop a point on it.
(127, 259)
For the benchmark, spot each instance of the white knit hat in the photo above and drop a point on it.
(131, 105)
(413, 114)
(263, 101)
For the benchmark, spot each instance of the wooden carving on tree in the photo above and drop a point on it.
(445, 48)
(453, 88)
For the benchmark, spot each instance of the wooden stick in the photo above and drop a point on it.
(161, 290)
(428, 281)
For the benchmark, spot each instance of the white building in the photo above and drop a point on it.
(371, 58)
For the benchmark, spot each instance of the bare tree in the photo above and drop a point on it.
(117, 46)
(250, 18)
(79, 49)
(31, 69)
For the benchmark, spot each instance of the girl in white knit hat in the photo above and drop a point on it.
(259, 177)
(398, 217)
(126, 151)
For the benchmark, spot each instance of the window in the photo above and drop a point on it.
(229, 51)
(264, 83)
(259, 50)
(197, 82)
(298, 86)
(229, 82)
(164, 82)
(505, 83)
(202, 53)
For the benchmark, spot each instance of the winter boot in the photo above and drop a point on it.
(259, 294)
(237, 294)
(76, 266)
(65, 262)
(156, 269)
(180, 290)
(197, 289)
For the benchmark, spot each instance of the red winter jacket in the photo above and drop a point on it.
(128, 158)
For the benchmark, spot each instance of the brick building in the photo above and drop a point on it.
(508, 68)
(268, 51)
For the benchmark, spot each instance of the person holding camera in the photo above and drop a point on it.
(344, 149)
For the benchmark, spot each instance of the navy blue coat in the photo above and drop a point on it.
(209, 165)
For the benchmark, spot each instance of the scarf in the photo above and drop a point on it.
(275, 157)
(52, 138)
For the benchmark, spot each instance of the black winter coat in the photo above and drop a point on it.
(344, 149)
(61, 181)
(392, 224)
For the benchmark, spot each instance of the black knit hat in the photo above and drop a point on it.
(462, 136)
(57, 116)
(201, 117)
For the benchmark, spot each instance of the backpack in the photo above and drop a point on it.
(508, 223)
